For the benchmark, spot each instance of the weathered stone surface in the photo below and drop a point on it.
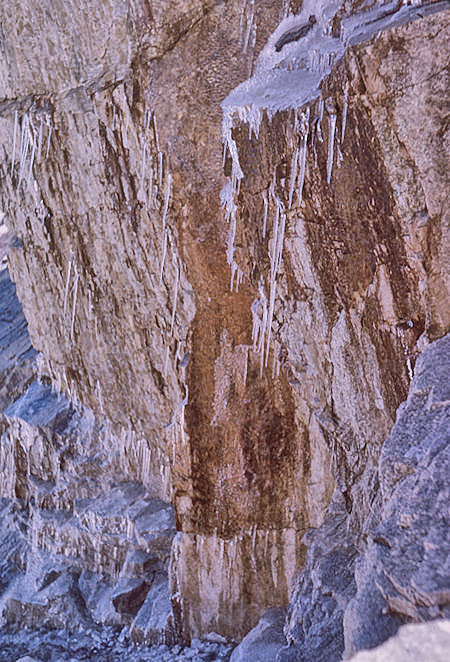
(403, 574)
(154, 621)
(357, 588)
(16, 353)
(315, 627)
(120, 262)
(426, 641)
(129, 595)
(264, 641)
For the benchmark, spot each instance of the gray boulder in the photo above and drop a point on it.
(264, 641)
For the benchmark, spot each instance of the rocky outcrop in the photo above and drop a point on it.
(358, 590)
(427, 641)
(233, 332)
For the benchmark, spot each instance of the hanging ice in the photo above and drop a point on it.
(174, 303)
(344, 117)
(66, 291)
(74, 303)
(331, 133)
(16, 120)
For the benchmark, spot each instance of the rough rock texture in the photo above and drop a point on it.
(427, 641)
(16, 353)
(358, 587)
(111, 180)
(264, 641)
(395, 570)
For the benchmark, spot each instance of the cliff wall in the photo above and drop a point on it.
(233, 297)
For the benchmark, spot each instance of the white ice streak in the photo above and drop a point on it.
(331, 134)
(66, 291)
(259, 314)
(228, 140)
(227, 195)
(174, 302)
(144, 165)
(25, 142)
(16, 122)
(39, 147)
(164, 228)
(167, 198)
(74, 302)
(48, 141)
(303, 130)
(344, 117)
(266, 211)
(275, 262)
(33, 152)
(163, 256)
(250, 18)
(294, 169)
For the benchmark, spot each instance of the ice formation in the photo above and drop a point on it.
(27, 143)
(289, 71)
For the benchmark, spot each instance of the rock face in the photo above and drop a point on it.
(358, 587)
(428, 641)
(227, 330)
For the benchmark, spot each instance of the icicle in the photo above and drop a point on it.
(160, 168)
(244, 379)
(183, 405)
(234, 268)
(321, 109)
(166, 199)
(48, 141)
(249, 26)
(163, 257)
(294, 168)
(155, 132)
(16, 121)
(280, 242)
(240, 275)
(235, 271)
(74, 303)
(66, 292)
(26, 142)
(149, 119)
(319, 121)
(256, 323)
(275, 361)
(144, 164)
(304, 129)
(266, 210)
(166, 360)
(344, 118)
(331, 134)
(39, 149)
(174, 304)
(33, 152)
(227, 137)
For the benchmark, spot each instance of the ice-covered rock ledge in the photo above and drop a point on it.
(303, 50)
